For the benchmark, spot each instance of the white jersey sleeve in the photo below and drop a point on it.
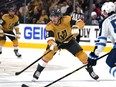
(108, 30)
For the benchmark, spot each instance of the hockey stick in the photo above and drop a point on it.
(9, 35)
(73, 72)
(17, 73)
(24, 85)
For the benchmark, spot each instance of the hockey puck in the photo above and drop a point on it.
(23, 85)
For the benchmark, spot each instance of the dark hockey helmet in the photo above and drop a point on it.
(55, 12)
(11, 9)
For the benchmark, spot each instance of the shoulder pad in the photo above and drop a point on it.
(66, 19)
(4, 16)
(49, 26)
(16, 17)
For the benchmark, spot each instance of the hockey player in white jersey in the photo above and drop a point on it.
(108, 29)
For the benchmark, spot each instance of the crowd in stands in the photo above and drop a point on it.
(37, 11)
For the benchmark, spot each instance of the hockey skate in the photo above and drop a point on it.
(0, 51)
(92, 73)
(36, 76)
(17, 53)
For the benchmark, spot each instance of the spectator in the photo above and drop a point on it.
(5, 9)
(64, 7)
(77, 15)
(54, 3)
(96, 9)
(43, 18)
(70, 8)
(94, 18)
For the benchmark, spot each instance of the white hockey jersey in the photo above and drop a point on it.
(108, 29)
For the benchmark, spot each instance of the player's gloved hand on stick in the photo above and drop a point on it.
(54, 46)
(92, 59)
(1, 33)
(75, 30)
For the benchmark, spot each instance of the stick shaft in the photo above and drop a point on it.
(10, 35)
(72, 72)
(17, 73)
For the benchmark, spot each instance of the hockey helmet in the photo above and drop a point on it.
(11, 9)
(55, 12)
(108, 7)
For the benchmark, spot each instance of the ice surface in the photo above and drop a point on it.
(60, 65)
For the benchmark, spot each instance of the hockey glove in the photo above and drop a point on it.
(92, 59)
(1, 33)
(54, 47)
(75, 30)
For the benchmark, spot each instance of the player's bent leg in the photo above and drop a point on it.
(42, 64)
(15, 44)
(83, 58)
(111, 62)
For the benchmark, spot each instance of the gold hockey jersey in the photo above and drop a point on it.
(9, 23)
(63, 30)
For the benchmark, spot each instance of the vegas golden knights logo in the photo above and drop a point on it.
(62, 35)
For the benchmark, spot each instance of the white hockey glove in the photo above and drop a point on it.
(75, 30)
(1, 33)
(54, 47)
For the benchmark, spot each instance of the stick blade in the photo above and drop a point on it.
(17, 73)
(23, 85)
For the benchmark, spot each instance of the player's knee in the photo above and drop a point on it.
(82, 56)
(112, 71)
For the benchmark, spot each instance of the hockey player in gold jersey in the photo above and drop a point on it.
(10, 23)
(58, 30)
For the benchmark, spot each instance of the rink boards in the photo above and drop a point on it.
(33, 36)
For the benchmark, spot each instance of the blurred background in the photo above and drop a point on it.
(37, 11)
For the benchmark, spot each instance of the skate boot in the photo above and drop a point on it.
(37, 73)
(36, 76)
(0, 51)
(92, 73)
(17, 53)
